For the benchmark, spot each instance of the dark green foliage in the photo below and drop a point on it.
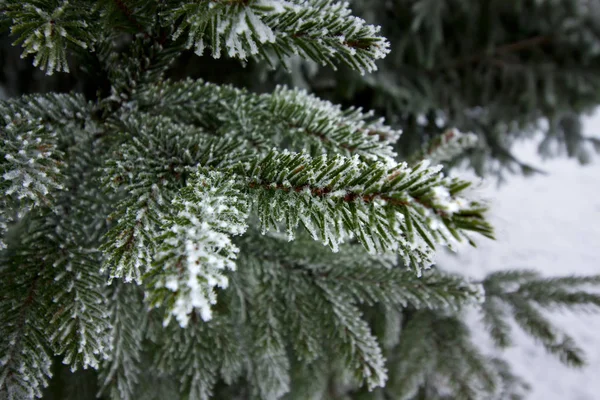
(46, 28)
(141, 212)
(494, 68)
(25, 318)
(316, 29)
(120, 373)
(443, 353)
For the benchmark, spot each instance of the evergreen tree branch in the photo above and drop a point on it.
(286, 118)
(61, 285)
(358, 347)
(172, 151)
(30, 170)
(31, 155)
(523, 293)
(196, 248)
(188, 167)
(26, 358)
(371, 279)
(320, 30)
(436, 347)
(195, 355)
(45, 28)
(269, 374)
(308, 123)
(129, 14)
(120, 374)
(445, 147)
(319, 284)
(384, 208)
(79, 326)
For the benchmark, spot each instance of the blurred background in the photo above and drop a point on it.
(549, 223)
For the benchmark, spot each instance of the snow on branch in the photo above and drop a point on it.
(169, 151)
(29, 169)
(437, 345)
(445, 147)
(318, 296)
(372, 279)
(44, 29)
(120, 373)
(320, 30)
(400, 209)
(25, 357)
(196, 246)
(289, 118)
(309, 123)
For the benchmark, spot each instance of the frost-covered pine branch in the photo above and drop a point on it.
(323, 31)
(523, 294)
(444, 148)
(183, 239)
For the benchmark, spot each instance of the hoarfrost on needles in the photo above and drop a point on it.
(198, 249)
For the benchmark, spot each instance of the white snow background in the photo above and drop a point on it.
(549, 223)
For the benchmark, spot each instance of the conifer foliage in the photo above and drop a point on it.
(190, 240)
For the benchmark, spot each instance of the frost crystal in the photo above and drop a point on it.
(197, 248)
(451, 204)
(449, 145)
(325, 32)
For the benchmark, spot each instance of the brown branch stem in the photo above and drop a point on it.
(348, 198)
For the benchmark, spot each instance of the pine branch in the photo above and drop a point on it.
(419, 211)
(513, 387)
(384, 208)
(269, 374)
(414, 358)
(286, 118)
(129, 15)
(26, 359)
(31, 154)
(45, 28)
(357, 346)
(320, 286)
(309, 381)
(445, 147)
(371, 279)
(145, 62)
(30, 170)
(197, 354)
(78, 318)
(288, 315)
(78, 325)
(120, 374)
(436, 347)
(196, 248)
(523, 293)
(535, 324)
(54, 110)
(495, 320)
(308, 123)
(320, 30)
(304, 195)
(48, 265)
(171, 151)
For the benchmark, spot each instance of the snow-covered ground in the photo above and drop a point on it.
(548, 223)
